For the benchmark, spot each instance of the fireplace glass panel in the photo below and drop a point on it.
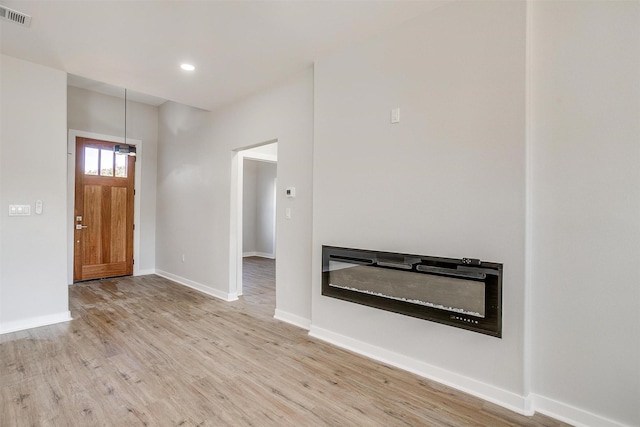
(445, 293)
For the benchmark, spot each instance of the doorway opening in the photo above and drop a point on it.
(253, 251)
(103, 213)
(73, 137)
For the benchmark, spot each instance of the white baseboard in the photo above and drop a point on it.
(259, 254)
(35, 322)
(570, 414)
(232, 296)
(293, 319)
(504, 398)
(265, 255)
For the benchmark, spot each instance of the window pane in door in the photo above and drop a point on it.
(90, 161)
(106, 162)
(121, 166)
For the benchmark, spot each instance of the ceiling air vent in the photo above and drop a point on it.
(15, 16)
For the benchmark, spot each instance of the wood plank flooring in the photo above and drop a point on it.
(147, 351)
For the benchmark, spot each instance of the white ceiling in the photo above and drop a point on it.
(238, 47)
(118, 92)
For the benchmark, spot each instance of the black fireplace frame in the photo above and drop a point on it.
(471, 269)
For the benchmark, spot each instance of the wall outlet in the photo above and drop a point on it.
(183, 258)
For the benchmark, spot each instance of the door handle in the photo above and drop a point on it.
(80, 227)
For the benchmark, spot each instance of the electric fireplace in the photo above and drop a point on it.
(465, 293)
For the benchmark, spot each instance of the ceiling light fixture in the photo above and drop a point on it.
(187, 67)
(125, 149)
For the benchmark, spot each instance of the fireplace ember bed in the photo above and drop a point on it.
(465, 293)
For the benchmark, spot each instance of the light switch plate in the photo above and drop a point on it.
(19, 210)
(395, 115)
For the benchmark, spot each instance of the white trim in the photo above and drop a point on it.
(235, 226)
(35, 322)
(231, 296)
(265, 255)
(71, 182)
(292, 319)
(262, 157)
(488, 392)
(258, 254)
(570, 414)
(235, 238)
(527, 351)
(274, 246)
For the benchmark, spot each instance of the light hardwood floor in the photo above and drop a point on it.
(147, 351)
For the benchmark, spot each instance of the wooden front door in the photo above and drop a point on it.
(103, 211)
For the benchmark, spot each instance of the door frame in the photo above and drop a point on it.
(235, 240)
(71, 185)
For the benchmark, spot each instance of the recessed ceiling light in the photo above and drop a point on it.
(187, 67)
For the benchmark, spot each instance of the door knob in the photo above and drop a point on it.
(80, 227)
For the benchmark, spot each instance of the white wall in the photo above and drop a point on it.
(258, 208)
(33, 134)
(448, 180)
(454, 177)
(97, 113)
(196, 149)
(265, 217)
(585, 78)
(249, 206)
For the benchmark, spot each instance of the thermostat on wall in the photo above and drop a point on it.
(290, 192)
